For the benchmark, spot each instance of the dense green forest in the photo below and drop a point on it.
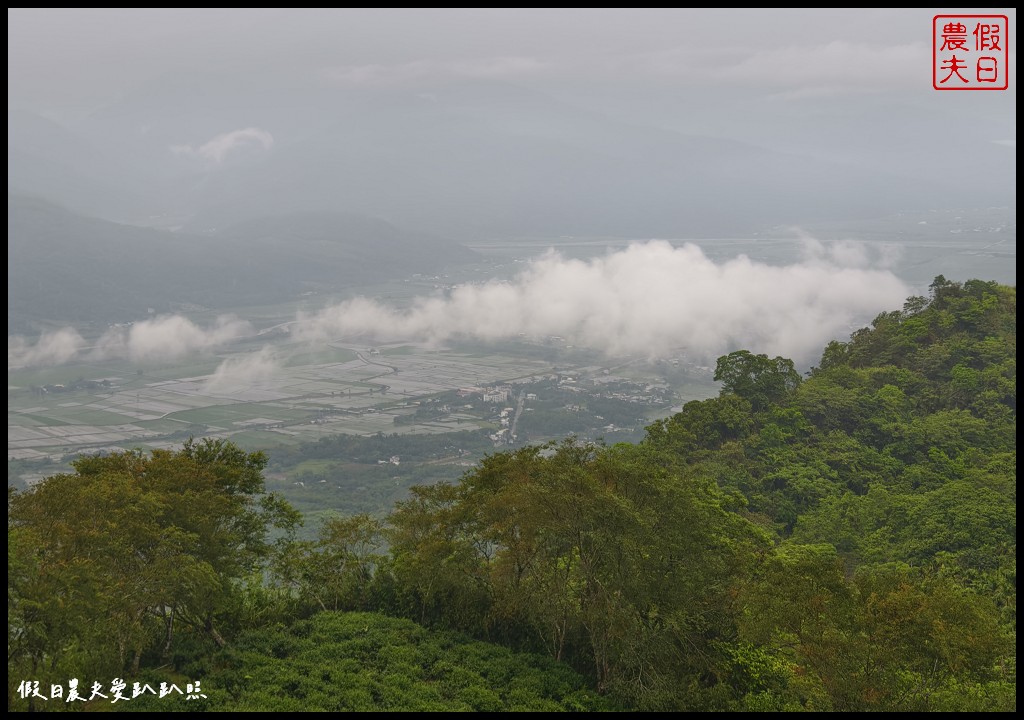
(841, 541)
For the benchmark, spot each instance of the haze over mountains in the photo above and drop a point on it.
(458, 158)
(70, 268)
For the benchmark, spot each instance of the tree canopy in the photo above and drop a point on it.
(109, 562)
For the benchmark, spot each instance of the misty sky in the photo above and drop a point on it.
(846, 85)
(698, 70)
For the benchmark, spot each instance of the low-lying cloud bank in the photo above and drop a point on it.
(648, 299)
(167, 337)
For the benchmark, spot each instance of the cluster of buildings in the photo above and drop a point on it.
(493, 394)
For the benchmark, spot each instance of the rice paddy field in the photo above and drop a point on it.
(310, 394)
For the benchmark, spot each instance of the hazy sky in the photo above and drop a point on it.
(61, 60)
(839, 84)
(187, 95)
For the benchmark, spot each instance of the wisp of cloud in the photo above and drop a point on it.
(242, 372)
(217, 149)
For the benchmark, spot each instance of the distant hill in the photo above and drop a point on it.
(45, 159)
(66, 268)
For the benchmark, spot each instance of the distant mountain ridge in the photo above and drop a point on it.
(69, 268)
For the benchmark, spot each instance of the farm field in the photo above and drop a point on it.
(52, 413)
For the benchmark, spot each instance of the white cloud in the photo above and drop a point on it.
(239, 373)
(216, 150)
(163, 338)
(645, 300)
(168, 337)
(52, 348)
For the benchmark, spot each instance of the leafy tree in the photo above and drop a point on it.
(113, 559)
(336, 571)
(888, 638)
(603, 554)
(757, 378)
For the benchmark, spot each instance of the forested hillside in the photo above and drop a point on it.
(844, 541)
